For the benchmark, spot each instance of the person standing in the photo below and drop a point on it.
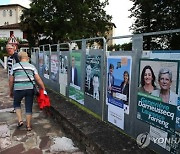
(12, 59)
(13, 56)
(20, 86)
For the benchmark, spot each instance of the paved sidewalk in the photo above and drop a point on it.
(46, 137)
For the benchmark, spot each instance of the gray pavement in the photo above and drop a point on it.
(47, 136)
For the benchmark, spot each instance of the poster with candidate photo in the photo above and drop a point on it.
(54, 67)
(92, 76)
(33, 56)
(118, 81)
(63, 73)
(157, 93)
(41, 63)
(75, 91)
(46, 64)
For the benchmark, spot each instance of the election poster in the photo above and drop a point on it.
(54, 67)
(157, 99)
(41, 63)
(63, 73)
(46, 64)
(93, 76)
(33, 56)
(118, 81)
(75, 91)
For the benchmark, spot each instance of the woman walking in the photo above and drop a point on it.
(21, 87)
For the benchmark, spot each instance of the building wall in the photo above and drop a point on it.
(5, 33)
(110, 34)
(10, 14)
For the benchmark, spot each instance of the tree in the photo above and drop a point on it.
(118, 47)
(3, 52)
(63, 20)
(157, 15)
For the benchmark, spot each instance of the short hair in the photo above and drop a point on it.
(165, 71)
(95, 76)
(111, 66)
(9, 45)
(22, 54)
(142, 75)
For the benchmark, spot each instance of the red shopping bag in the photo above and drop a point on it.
(43, 99)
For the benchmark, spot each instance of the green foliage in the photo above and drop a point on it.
(157, 15)
(63, 20)
(118, 47)
(3, 42)
(3, 52)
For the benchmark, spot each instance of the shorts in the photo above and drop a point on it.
(19, 95)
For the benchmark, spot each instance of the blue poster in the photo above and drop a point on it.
(178, 116)
(118, 81)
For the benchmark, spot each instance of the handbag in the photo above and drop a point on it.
(36, 90)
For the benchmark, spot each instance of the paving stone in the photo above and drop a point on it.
(17, 149)
(33, 151)
(45, 142)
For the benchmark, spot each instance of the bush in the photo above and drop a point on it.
(2, 54)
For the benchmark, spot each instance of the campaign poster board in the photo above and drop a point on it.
(118, 81)
(93, 76)
(157, 106)
(54, 67)
(177, 127)
(46, 64)
(75, 91)
(170, 55)
(33, 56)
(41, 63)
(63, 73)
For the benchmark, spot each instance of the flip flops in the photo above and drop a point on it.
(20, 124)
(28, 128)
(13, 111)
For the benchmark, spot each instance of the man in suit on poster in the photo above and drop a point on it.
(88, 80)
(96, 84)
(110, 78)
(74, 74)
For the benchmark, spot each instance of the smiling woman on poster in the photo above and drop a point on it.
(147, 80)
(125, 86)
(165, 81)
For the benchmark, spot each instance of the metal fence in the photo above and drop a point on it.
(112, 85)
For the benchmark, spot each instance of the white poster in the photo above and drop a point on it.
(158, 136)
(63, 73)
(116, 116)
